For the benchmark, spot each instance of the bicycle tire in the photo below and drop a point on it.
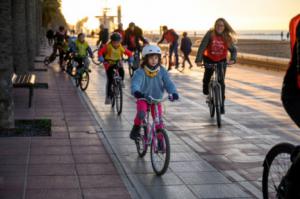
(113, 98)
(95, 54)
(84, 77)
(281, 148)
(130, 70)
(211, 104)
(46, 61)
(166, 151)
(217, 103)
(119, 99)
(141, 141)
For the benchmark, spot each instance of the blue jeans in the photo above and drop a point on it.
(173, 48)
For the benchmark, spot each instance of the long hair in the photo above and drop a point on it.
(229, 34)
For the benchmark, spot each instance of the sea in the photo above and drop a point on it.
(274, 35)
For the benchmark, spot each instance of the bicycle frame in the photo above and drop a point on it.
(151, 127)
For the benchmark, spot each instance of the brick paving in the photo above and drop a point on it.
(72, 163)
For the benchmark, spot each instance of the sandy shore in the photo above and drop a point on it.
(279, 49)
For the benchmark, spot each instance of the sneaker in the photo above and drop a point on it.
(107, 100)
(135, 132)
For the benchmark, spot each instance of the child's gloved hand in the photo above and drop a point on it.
(173, 97)
(138, 95)
(101, 59)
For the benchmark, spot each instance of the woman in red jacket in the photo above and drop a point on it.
(214, 49)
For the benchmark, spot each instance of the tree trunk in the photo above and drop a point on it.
(20, 61)
(6, 65)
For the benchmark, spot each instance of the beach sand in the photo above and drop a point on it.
(279, 49)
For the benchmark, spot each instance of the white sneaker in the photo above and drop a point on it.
(107, 100)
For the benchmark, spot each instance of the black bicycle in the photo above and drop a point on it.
(81, 75)
(116, 87)
(214, 99)
(281, 172)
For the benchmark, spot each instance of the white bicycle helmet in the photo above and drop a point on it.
(151, 49)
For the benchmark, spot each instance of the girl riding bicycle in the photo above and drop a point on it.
(150, 81)
(112, 53)
(213, 50)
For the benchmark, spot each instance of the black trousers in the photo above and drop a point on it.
(207, 77)
(54, 52)
(110, 78)
(186, 58)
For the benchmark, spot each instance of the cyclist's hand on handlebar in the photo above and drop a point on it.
(173, 97)
(138, 95)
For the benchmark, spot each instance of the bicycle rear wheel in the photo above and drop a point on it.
(84, 80)
(141, 145)
(276, 165)
(119, 98)
(160, 152)
(217, 103)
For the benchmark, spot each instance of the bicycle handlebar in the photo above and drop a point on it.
(152, 100)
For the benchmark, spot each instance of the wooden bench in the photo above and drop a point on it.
(25, 81)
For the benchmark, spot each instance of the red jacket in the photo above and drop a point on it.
(295, 22)
(217, 48)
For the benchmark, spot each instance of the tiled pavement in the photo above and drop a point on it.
(206, 162)
(71, 164)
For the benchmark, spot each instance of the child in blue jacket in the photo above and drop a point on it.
(150, 80)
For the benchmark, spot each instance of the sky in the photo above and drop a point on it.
(188, 14)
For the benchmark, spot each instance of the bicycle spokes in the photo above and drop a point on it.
(278, 170)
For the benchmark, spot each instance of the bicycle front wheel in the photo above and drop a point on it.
(211, 104)
(119, 98)
(141, 145)
(84, 80)
(160, 152)
(217, 103)
(95, 53)
(276, 165)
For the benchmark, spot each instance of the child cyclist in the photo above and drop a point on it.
(82, 50)
(213, 50)
(150, 80)
(111, 54)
